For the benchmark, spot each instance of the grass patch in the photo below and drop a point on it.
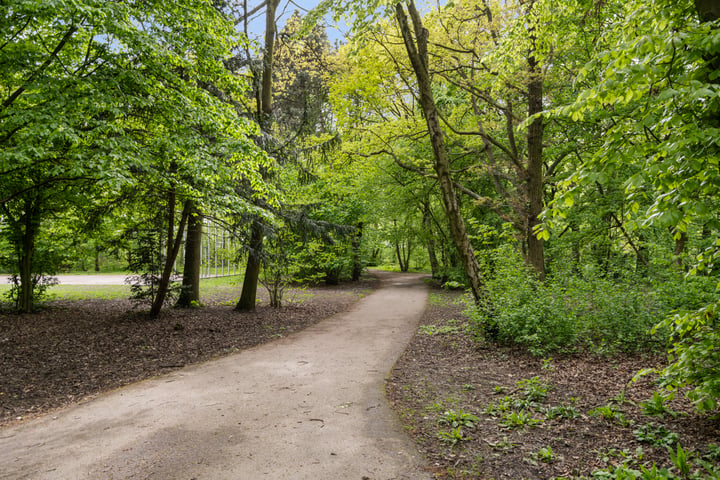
(209, 287)
(438, 330)
(87, 292)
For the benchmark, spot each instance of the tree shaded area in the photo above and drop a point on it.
(557, 160)
(528, 417)
(75, 349)
(103, 104)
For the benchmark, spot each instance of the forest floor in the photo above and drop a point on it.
(559, 417)
(564, 416)
(75, 349)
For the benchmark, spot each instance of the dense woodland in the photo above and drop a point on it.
(559, 160)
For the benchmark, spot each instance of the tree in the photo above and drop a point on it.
(385, 140)
(303, 66)
(190, 290)
(489, 64)
(416, 46)
(655, 91)
(299, 137)
(264, 98)
(500, 63)
(95, 93)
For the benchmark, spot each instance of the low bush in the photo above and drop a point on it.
(571, 311)
(522, 310)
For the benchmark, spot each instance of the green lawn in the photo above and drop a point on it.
(208, 286)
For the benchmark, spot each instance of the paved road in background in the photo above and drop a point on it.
(109, 279)
(309, 406)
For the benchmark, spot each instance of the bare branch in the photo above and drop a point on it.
(251, 12)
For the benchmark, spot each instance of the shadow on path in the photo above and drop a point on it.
(309, 406)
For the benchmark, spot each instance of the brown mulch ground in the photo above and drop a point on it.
(72, 350)
(444, 370)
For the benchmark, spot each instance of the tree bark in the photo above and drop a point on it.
(680, 242)
(98, 249)
(172, 250)
(535, 250)
(417, 53)
(30, 222)
(403, 253)
(252, 269)
(268, 54)
(190, 292)
(357, 264)
(430, 241)
(642, 264)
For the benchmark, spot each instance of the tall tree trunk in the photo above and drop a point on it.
(403, 251)
(357, 264)
(399, 256)
(417, 53)
(680, 242)
(408, 254)
(446, 261)
(30, 220)
(535, 251)
(430, 241)
(252, 269)
(190, 292)
(268, 55)
(98, 249)
(641, 256)
(171, 253)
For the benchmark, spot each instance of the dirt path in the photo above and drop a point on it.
(310, 406)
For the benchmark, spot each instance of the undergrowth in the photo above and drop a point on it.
(573, 312)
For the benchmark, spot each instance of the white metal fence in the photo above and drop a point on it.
(218, 252)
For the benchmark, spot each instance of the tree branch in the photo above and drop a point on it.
(639, 254)
(251, 12)
(14, 96)
(42, 184)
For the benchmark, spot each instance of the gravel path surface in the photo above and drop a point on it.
(309, 406)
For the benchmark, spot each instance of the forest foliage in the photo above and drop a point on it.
(560, 159)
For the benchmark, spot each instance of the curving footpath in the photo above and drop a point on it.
(309, 406)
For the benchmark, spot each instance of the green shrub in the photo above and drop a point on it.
(695, 355)
(533, 389)
(571, 311)
(320, 261)
(524, 311)
(519, 419)
(614, 316)
(658, 436)
(438, 330)
(582, 309)
(452, 437)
